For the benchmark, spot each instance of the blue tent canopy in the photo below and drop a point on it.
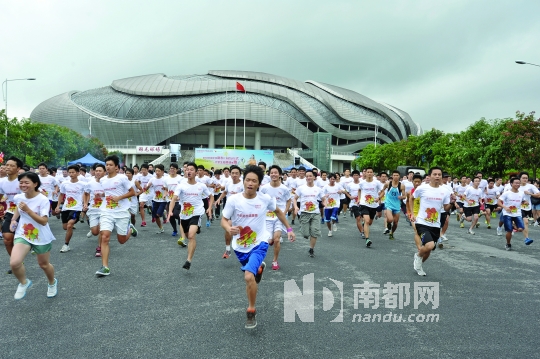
(291, 167)
(87, 160)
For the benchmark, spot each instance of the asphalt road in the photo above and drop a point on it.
(488, 299)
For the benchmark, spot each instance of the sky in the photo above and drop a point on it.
(446, 63)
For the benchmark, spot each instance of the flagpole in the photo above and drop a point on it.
(226, 112)
(234, 142)
(245, 93)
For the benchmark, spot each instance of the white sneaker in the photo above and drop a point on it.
(471, 231)
(499, 231)
(334, 227)
(21, 289)
(89, 234)
(330, 234)
(421, 272)
(52, 290)
(160, 230)
(417, 262)
(443, 237)
(65, 248)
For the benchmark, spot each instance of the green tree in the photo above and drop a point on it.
(520, 141)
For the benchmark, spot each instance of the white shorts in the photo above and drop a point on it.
(94, 219)
(118, 220)
(134, 208)
(143, 198)
(274, 226)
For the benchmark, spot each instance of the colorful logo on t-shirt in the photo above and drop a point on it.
(490, 201)
(355, 199)
(110, 204)
(158, 195)
(97, 202)
(331, 202)
(187, 209)
(271, 214)
(217, 189)
(432, 215)
(247, 237)
(369, 199)
(171, 194)
(12, 207)
(462, 197)
(30, 232)
(524, 204)
(3, 207)
(471, 202)
(513, 209)
(310, 207)
(45, 193)
(71, 202)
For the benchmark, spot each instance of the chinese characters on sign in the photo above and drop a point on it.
(149, 149)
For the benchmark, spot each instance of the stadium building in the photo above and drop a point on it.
(327, 124)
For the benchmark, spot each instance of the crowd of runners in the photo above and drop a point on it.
(253, 206)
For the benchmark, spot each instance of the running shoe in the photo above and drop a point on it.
(21, 289)
(528, 241)
(103, 271)
(508, 247)
(421, 272)
(489, 226)
(259, 275)
(89, 234)
(207, 223)
(499, 231)
(311, 253)
(494, 215)
(443, 237)
(187, 265)
(391, 236)
(143, 224)
(417, 263)
(181, 242)
(470, 231)
(65, 248)
(134, 231)
(485, 222)
(386, 231)
(440, 245)
(9, 271)
(368, 242)
(292, 222)
(251, 321)
(477, 225)
(334, 227)
(330, 233)
(275, 266)
(174, 233)
(322, 221)
(153, 220)
(160, 230)
(362, 235)
(226, 255)
(52, 289)
(98, 252)
(462, 225)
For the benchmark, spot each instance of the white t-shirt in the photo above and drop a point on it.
(483, 184)
(460, 193)
(490, 195)
(94, 204)
(29, 229)
(369, 195)
(144, 181)
(159, 187)
(299, 182)
(10, 189)
(217, 184)
(526, 203)
(82, 178)
(250, 216)
(431, 201)
(290, 183)
(332, 195)
(513, 201)
(234, 188)
(118, 185)
(48, 184)
(281, 195)
(266, 180)
(73, 192)
(190, 196)
(308, 197)
(472, 196)
(172, 183)
(344, 181)
(353, 188)
(321, 183)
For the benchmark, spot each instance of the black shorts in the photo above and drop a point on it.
(346, 200)
(444, 217)
(205, 203)
(7, 222)
(321, 205)
(355, 211)
(469, 211)
(491, 207)
(70, 215)
(428, 234)
(459, 204)
(368, 211)
(186, 223)
(526, 214)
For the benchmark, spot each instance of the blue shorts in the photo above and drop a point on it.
(158, 208)
(252, 260)
(381, 207)
(330, 214)
(536, 207)
(507, 220)
(394, 211)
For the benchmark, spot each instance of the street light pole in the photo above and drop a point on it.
(5, 100)
(126, 151)
(526, 63)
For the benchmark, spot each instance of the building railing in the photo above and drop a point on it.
(128, 147)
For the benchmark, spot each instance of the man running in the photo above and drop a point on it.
(395, 193)
(144, 177)
(307, 196)
(529, 190)
(471, 205)
(330, 199)
(247, 215)
(71, 196)
(232, 187)
(159, 198)
(368, 193)
(92, 199)
(352, 193)
(511, 202)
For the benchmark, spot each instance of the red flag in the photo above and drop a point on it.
(239, 87)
